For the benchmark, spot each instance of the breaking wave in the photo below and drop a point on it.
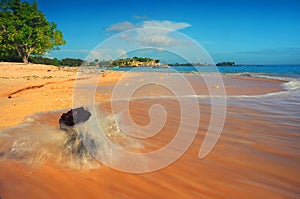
(37, 141)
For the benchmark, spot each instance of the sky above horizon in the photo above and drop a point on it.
(246, 32)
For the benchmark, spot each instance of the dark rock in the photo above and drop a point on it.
(73, 142)
(72, 117)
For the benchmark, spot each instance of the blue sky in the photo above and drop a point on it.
(246, 32)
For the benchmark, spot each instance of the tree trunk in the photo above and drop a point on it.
(25, 59)
(23, 54)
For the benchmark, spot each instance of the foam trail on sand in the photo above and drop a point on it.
(37, 141)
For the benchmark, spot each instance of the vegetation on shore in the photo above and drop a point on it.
(136, 61)
(226, 64)
(56, 62)
(25, 31)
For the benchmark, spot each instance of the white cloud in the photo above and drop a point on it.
(166, 24)
(157, 33)
(151, 33)
(159, 49)
(119, 27)
(125, 36)
(142, 17)
(157, 40)
(106, 54)
(97, 54)
(121, 53)
(123, 26)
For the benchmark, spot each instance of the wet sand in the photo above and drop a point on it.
(255, 157)
(37, 88)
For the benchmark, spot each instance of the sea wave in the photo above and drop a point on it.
(289, 83)
(293, 84)
(34, 142)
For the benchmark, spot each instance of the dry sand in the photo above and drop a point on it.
(32, 88)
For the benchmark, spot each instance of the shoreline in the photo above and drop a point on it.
(29, 89)
(257, 153)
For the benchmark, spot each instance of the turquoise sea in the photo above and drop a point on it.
(292, 71)
(285, 104)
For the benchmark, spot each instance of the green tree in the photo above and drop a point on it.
(24, 30)
(71, 62)
(44, 60)
(225, 64)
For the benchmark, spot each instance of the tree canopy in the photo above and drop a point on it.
(71, 62)
(25, 31)
(143, 61)
(225, 64)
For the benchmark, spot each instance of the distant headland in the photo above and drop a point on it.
(125, 62)
(136, 61)
(226, 64)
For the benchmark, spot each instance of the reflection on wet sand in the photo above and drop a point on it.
(257, 156)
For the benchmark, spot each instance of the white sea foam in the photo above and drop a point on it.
(204, 96)
(33, 142)
(289, 83)
(293, 84)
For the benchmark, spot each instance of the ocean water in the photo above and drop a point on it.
(286, 101)
(289, 74)
(292, 71)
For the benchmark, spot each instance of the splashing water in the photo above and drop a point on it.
(39, 140)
